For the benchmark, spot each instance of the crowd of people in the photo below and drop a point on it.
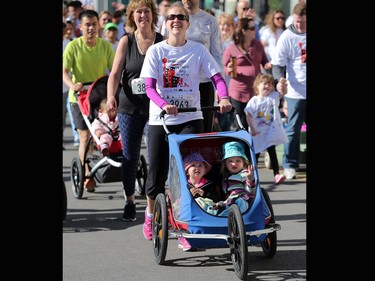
(228, 60)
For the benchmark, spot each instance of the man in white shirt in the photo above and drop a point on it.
(290, 53)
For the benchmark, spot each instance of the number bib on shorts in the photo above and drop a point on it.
(180, 100)
(138, 86)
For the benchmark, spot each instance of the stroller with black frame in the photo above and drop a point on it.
(104, 169)
(177, 214)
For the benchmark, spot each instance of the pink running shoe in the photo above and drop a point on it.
(279, 178)
(147, 227)
(183, 244)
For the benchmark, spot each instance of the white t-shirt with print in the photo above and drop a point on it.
(288, 53)
(177, 70)
(267, 121)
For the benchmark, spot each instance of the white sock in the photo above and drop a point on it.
(148, 214)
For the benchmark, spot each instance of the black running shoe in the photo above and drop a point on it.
(129, 212)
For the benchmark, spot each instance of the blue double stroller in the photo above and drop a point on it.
(177, 214)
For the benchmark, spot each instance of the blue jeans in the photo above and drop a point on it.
(296, 117)
(75, 133)
(242, 205)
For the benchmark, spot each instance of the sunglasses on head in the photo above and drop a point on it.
(179, 17)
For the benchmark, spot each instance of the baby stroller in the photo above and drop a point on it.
(103, 169)
(177, 214)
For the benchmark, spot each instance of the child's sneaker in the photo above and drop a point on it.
(147, 227)
(279, 178)
(183, 244)
(290, 173)
(104, 149)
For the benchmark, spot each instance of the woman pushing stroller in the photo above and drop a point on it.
(171, 71)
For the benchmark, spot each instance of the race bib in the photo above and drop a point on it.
(181, 101)
(138, 86)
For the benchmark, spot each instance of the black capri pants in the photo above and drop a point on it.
(207, 95)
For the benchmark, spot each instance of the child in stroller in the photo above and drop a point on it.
(105, 127)
(238, 182)
(203, 190)
(106, 167)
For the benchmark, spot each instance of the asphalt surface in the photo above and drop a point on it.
(98, 245)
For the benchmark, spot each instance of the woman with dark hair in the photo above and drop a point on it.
(250, 56)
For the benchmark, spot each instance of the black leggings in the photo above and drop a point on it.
(207, 94)
(273, 157)
(240, 108)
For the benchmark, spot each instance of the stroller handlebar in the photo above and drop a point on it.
(203, 108)
(192, 109)
(86, 86)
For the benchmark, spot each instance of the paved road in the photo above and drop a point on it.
(99, 246)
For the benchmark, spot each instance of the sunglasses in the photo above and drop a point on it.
(251, 27)
(179, 17)
(280, 18)
(245, 8)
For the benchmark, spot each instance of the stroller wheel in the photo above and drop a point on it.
(77, 177)
(160, 229)
(238, 242)
(269, 244)
(141, 175)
